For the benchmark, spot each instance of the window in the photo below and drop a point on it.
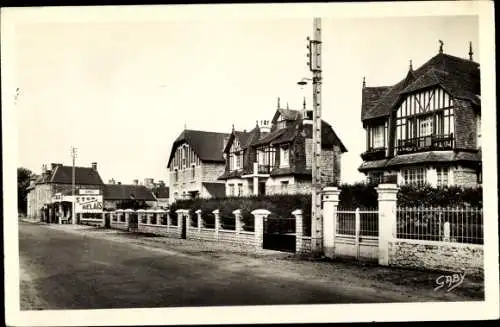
(176, 175)
(238, 161)
(442, 176)
(184, 150)
(284, 187)
(231, 162)
(426, 126)
(378, 137)
(231, 190)
(414, 176)
(193, 172)
(284, 157)
(240, 189)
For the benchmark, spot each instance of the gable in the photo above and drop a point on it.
(424, 101)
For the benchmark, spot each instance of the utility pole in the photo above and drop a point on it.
(314, 47)
(73, 214)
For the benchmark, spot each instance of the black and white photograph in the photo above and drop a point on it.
(249, 163)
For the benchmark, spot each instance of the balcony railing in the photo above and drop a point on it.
(426, 143)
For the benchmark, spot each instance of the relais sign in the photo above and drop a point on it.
(88, 201)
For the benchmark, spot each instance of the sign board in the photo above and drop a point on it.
(88, 203)
(88, 192)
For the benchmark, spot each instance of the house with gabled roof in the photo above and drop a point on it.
(425, 129)
(128, 196)
(49, 195)
(195, 162)
(276, 156)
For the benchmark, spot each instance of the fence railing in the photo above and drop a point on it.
(357, 222)
(461, 225)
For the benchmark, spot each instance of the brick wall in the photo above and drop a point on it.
(465, 125)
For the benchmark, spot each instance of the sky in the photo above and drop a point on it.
(121, 92)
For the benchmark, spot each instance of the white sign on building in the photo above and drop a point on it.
(88, 203)
(88, 192)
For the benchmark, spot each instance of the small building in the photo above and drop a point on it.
(195, 163)
(426, 129)
(50, 195)
(275, 157)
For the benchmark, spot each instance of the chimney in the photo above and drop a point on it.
(264, 126)
(44, 169)
(119, 183)
(136, 182)
(149, 182)
(111, 181)
(54, 165)
(94, 165)
(161, 183)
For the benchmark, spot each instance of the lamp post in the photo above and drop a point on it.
(314, 56)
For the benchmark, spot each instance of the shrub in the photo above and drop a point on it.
(428, 196)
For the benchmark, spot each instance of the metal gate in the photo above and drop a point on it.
(279, 234)
(133, 222)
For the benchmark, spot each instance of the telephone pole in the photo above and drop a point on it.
(73, 214)
(314, 47)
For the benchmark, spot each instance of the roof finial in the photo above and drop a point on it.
(364, 82)
(411, 65)
(304, 103)
(185, 125)
(470, 51)
(278, 102)
(440, 46)
(287, 105)
(233, 127)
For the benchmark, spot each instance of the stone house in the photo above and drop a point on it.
(276, 156)
(50, 194)
(194, 165)
(425, 129)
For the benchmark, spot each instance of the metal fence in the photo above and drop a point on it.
(357, 222)
(461, 225)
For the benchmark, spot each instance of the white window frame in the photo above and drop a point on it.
(284, 186)
(443, 176)
(414, 176)
(231, 189)
(240, 189)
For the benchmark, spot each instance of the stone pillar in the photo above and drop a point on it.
(169, 220)
(159, 217)
(59, 213)
(198, 216)
(148, 218)
(299, 231)
(181, 216)
(259, 216)
(330, 205)
(127, 218)
(387, 205)
(237, 221)
(432, 176)
(216, 213)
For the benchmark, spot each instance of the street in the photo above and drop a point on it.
(65, 268)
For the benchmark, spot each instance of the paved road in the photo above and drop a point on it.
(62, 270)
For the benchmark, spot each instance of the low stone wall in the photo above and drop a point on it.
(445, 256)
(226, 236)
(163, 230)
(122, 225)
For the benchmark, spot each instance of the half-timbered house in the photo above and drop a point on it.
(426, 129)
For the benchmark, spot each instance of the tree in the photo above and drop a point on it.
(23, 181)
